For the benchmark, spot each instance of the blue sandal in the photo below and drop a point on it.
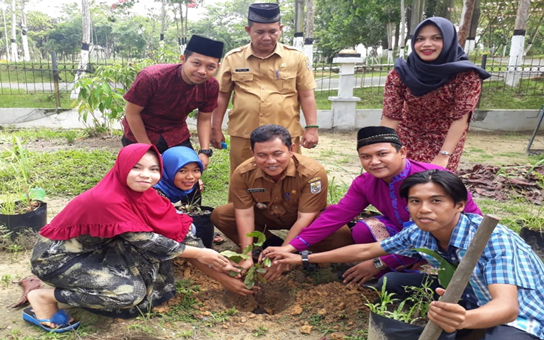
(60, 318)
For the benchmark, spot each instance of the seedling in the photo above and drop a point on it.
(255, 273)
(18, 161)
(410, 310)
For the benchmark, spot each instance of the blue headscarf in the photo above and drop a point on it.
(422, 77)
(174, 159)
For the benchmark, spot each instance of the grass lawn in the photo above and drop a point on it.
(66, 173)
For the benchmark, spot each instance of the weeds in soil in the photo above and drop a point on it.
(221, 317)
(6, 280)
(359, 335)
(260, 331)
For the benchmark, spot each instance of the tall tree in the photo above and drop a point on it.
(298, 40)
(402, 35)
(309, 31)
(14, 52)
(163, 22)
(518, 43)
(24, 37)
(466, 20)
(8, 56)
(85, 44)
(471, 39)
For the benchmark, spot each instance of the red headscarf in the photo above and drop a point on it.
(112, 208)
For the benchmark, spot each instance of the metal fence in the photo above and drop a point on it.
(373, 76)
(38, 77)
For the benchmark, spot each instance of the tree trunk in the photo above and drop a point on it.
(466, 20)
(163, 22)
(14, 54)
(24, 37)
(470, 44)
(389, 42)
(298, 40)
(396, 36)
(517, 46)
(8, 56)
(182, 35)
(85, 45)
(185, 29)
(416, 16)
(309, 32)
(534, 35)
(402, 34)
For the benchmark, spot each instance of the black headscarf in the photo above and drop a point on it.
(422, 77)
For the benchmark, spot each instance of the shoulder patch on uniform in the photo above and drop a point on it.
(315, 187)
(314, 179)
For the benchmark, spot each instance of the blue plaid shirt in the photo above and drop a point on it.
(507, 259)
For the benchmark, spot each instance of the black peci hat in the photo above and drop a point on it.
(377, 134)
(205, 46)
(264, 13)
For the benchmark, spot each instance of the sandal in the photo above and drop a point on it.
(60, 318)
(218, 239)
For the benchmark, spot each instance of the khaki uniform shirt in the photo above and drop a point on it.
(265, 89)
(303, 187)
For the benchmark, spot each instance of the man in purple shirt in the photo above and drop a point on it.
(384, 160)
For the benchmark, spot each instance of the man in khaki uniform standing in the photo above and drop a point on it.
(275, 189)
(271, 83)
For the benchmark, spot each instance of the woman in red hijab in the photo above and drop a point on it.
(110, 250)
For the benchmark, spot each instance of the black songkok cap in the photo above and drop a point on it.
(377, 134)
(264, 13)
(205, 46)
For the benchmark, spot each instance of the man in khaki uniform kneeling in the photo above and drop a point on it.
(275, 189)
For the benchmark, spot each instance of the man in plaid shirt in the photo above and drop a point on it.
(505, 295)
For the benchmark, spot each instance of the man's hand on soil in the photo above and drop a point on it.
(360, 273)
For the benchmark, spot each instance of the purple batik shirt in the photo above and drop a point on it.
(364, 191)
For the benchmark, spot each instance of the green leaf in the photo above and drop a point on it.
(37, 194)
(249, 280)
(446, 270)
(267, 262)
(233, 256)
(261, 278)
(261, 270)
(248, 249)
(261, 238)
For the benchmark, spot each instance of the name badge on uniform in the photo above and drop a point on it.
(241, 70)
(250, 190)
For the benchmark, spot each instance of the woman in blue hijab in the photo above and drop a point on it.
(430, 97)
(182, 170)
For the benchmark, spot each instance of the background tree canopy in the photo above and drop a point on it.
(117, 29)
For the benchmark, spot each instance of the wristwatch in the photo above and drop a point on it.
(305, 262)
(207, 152)
(378, 263)
(445, 153)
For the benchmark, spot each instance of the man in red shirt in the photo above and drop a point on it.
(163, 95)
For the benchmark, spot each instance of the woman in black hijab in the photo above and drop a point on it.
(430, 97)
